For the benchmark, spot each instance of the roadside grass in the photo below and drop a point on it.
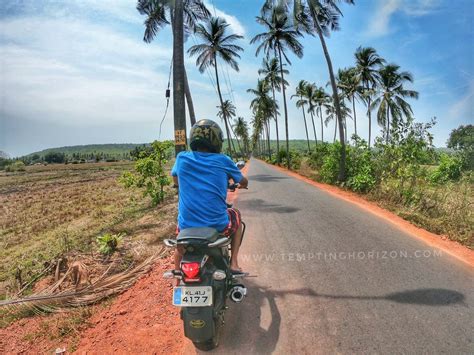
(445, 209)
(56, 210)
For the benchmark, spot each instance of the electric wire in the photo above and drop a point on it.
(168, 94)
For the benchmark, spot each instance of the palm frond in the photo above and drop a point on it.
(105, 286)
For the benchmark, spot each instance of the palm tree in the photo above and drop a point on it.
(263, 106)
(271, 74)
(216, 43)
(390, 100)
(301, 103)
(332, 116)
(320, 98)
(280, 36)
(241, 129)
(349, 83)
(161, 13)
(310, 91)
(322, 17)
(257, 124)
(367, 64)
(227, 111)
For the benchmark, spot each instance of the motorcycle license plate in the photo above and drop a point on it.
(192, 296)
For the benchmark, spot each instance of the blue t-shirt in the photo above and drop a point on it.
(203, 181)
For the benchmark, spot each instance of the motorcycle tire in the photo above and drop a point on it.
(214, 341)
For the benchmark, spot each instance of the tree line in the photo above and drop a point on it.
(379, 86)
(285, 21)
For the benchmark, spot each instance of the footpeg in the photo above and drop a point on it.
(240, 275)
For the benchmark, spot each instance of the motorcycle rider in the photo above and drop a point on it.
(203, 175)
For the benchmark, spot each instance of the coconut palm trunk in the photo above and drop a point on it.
(355, 117)
(231, 143)
(342, 162)
(189, 99)
(276, 125)
(179, 109)
(321, 118)
(306, 128)
(388, 123)
(369, 113)
(314, 129)
(236, 138)
(267, 129)
(335, 131)
(286, 110)
(238, 142)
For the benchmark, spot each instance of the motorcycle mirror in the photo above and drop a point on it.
(240, 164)
(170, 242)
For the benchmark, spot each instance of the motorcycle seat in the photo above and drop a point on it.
(199, 233)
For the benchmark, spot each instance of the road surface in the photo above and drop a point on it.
(334, 278)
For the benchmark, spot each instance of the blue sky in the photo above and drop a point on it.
(78, 72)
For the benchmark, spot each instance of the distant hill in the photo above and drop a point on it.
(113, 150)
(122, 150)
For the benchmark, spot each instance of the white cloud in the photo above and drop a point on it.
(234, 23)
(70, 70)
(380, 24)
(83, 66)
(463, 109)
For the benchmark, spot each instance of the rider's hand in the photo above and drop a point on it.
(244, 183)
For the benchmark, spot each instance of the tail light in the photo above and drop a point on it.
(191, 271)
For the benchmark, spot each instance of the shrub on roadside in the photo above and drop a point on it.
(360, 171)
(108, 243)
(449, 169)
(330, 166)
(398, 162)
(281, 155)
(295, 160)
(150, 172)
(317, 155)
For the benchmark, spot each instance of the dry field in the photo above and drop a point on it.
(50, 211)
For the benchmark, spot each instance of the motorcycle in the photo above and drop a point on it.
(205, 282)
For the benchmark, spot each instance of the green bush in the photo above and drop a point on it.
(150, 172)
(317, 155)
(400, 160)
(281, 155)
(449, 169)
(363, 181)
(15, 166)
(108, 243)
(360, 171)
(330, 167)
(295, 159)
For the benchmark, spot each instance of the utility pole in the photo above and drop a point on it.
(179, 109)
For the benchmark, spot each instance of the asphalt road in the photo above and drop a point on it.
(331, 277)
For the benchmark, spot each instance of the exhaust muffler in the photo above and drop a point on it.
(237, 293)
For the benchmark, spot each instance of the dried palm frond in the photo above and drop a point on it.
(106, 285)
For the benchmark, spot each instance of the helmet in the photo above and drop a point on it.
(208, 134)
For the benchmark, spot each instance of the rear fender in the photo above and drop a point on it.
(199, 323)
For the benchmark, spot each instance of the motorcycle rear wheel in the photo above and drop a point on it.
(214, 341)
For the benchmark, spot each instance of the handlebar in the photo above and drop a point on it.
(232, 187)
